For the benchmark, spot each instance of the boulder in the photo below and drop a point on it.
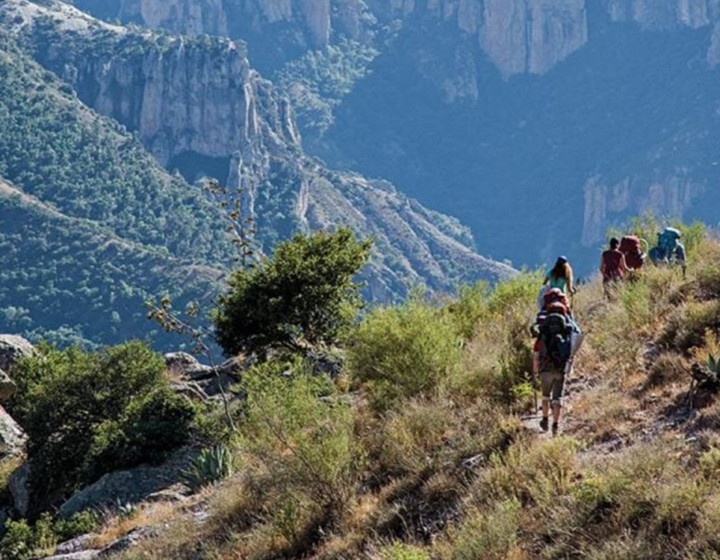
(12, 349)
(78, 544)
(130, 486)
(19, 486)
(180, 362)
(84, 555)
(128, 541)
(7, 386)
(12, 437)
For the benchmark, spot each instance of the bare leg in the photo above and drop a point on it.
(557, 410)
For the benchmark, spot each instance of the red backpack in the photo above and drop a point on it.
(631, 247)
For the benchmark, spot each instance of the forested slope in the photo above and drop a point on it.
(104, 228)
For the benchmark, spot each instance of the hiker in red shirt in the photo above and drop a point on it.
(612, 266)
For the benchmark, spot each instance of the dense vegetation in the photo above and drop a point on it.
(317, 82)
(111, 228)
(70, 281)
(416, 451)
(303, 297)
(88, 167)
(89, 414)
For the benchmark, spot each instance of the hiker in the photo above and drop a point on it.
(632, 247)
(613, 266)
(561, 277)
(669, 250)
(550, 297)
(557, 339)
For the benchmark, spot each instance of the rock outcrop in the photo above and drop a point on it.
(604, 204)
(131, 486)
(12, 349)
(197, 105)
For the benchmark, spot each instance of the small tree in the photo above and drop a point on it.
(303, 296)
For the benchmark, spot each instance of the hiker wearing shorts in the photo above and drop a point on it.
(552, 359)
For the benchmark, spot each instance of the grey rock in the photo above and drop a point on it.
(12, 437)
(176, 493)
(130, 486)
(7, 386)
(128, 541)
(84, 555)
(12, 349)
(180, 362)
(20, 489)
(79, 544)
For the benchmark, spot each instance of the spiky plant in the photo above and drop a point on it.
(211, 465)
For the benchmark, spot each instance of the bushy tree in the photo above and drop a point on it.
(303, 296)
(86, 414)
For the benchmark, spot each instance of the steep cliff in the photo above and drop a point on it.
(199, 107)
(491, 109)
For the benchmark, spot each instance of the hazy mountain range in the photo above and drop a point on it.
(85, 107)
(537, 122)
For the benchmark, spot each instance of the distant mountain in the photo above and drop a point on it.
(199, 108)
(537, 122)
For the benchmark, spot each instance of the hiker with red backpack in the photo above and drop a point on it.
(613, 266)
(558, 338)
(632, 247)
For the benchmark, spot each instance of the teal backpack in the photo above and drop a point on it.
(668, 241)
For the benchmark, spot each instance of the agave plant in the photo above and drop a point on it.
(211, 465)
(714, 365)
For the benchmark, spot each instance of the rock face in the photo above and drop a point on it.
(199, 107)
(12, 349)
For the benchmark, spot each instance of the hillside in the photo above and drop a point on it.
(445, 464)
(485, 109)
(70, 281)
(92, 225)
(58, 148)
(199, 107)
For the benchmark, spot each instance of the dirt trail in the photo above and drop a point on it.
(646, 413)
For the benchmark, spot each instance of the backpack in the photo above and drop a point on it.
(668, 241)
(555, 296)
(556, 339)
(631, 247)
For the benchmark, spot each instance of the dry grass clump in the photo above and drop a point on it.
(668, 368)
(687, 328)
(601, 413)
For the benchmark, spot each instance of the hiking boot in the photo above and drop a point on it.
(555, 428)
(544, 424)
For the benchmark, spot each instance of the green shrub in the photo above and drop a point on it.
(401, 551)
(520, 292)
(87, 414)
(401, 352)
(297, 436)
(304, 295)
(469, 308)
(490, 535)
(23, 541)
(17, 544)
